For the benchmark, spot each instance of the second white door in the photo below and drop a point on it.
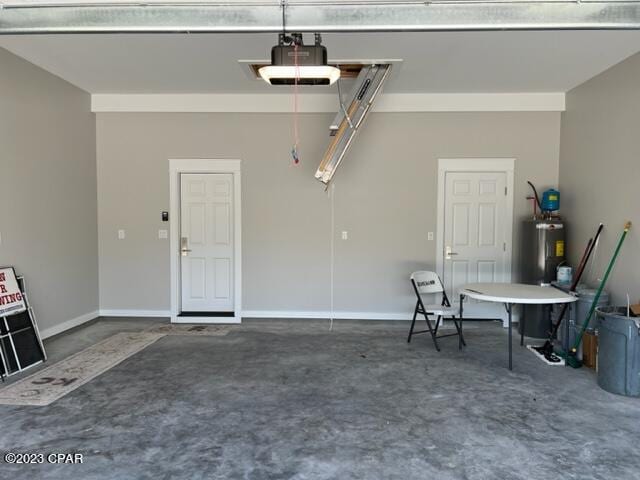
(475, 239)
(206, 242)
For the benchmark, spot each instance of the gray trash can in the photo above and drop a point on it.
(586, 295)
(577, 314)
(619, 351)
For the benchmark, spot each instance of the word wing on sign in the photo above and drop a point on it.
(11, 298)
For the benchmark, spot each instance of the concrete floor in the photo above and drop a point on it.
(291, 400)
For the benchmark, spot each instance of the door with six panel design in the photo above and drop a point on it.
(475, 235)
(206, 242)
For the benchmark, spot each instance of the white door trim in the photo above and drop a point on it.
(202, 165)
(506, 165)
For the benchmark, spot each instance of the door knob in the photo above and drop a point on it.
(448, 253)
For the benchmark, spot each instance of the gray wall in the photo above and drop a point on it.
(48, 190)
(385, 198)
(599, 179)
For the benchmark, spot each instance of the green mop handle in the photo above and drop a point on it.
(594, 304)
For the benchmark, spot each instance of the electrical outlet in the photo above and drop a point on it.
(345, 235)
(121, 235)
(430, 236)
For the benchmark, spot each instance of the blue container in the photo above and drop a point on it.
(551, 200)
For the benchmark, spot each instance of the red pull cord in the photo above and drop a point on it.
(294, 150)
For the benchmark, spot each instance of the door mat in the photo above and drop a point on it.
(190, 329)
(51, 383)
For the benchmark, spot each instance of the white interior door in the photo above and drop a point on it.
(206, 242)
(475, 240)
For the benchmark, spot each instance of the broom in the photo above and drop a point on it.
(572, 358)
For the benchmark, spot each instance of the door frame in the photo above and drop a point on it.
(203, 165)
(474, 165)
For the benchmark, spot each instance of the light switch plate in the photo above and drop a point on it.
(121, 234)
(345, 235)
(162, 234)
(430, 236)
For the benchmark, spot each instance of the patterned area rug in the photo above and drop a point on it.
(51, 383)
(186, 329)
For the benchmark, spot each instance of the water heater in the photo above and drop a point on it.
(541, 252)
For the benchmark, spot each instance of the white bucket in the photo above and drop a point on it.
(564, 274)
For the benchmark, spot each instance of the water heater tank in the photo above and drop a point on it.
(542, 250)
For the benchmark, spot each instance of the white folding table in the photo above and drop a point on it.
(511, 294)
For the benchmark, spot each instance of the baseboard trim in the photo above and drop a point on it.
(271, 314)
(302, 314)
(289, 314)
(135, 313)
(340, 315)
(69, 324)
(325, 314)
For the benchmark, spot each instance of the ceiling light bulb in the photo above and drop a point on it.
(306, 74)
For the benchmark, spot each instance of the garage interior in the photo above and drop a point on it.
(204, 274)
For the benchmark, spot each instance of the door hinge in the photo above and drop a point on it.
(504, 247)
(505, 191)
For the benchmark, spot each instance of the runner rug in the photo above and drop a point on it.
(51, 383)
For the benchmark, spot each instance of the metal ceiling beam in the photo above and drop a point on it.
(254, 17)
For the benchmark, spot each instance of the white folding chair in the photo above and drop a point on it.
(425, 283)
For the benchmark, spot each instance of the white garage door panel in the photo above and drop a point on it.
(486, 271)
(196, 223)
(222, 285)
(461, 224)
(197, 281)
(487, 225)
(222, 223)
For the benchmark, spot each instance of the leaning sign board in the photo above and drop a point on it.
(20, 343)
(11, 298)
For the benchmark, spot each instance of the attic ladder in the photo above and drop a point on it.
(350, 120)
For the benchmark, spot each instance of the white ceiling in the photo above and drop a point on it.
(447, 62)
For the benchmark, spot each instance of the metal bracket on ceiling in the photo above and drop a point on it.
(91, 16)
